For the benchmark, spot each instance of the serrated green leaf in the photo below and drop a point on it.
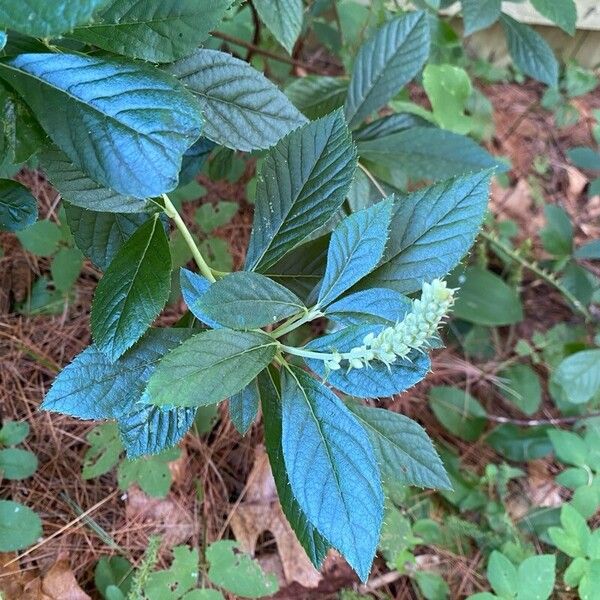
(19, 526)
(79, 190)
(39, 18)
(13, 432)
(16, 464)
(331, 467)
(428, 153)
(403, 450)
(563, 13)
(432, 230)
(100, 235)
(530, 51)
(458, 412)
(210, 367)
(243, 407)
(65, 268)
(18, 208)
(246, 300)
(385, 63)
(42, 238)
(480, 14)
(242, 108)
(314, 544)
(158, 31)
(316, 95)
(283, 18)
(302, 182)
(133, 139)
(104, 451)
(237, 572)
(134, 289)
(388, 125)
(579, 376)
(355, 249)
(151, 473)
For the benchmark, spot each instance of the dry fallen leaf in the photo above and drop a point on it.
(17, 584)
(259, 512)
(59, 583)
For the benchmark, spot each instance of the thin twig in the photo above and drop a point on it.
(536, 422)
(372, 179)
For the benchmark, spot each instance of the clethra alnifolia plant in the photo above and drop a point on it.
(117, 113)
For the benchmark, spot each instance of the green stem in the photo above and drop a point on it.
(295, 322)
(541, 273)
(172, 213)
(306, 353)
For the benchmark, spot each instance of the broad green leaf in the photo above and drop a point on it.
(41, 238)
(211, 217)
(433, 229)
(134, 289)
(385, 63)
(302, 183)
(502, 575)
(378, 381)
(151, 473)
(573, 538)
(432, 585)
(179, 578)
(19, 526)
(387, 126)
(520, 444)
(99, 235)
(355, 249)
(557, 235)
(193, 288)
(65, 268)
(113, 571)
(210, 367)
(569, 447)
(13, 432)
(590, 582)
(332, 468)
(500, 305)
(16, 464)
(193, 160)
(283, 18)
(520, 385)
(246, 300)
(428, 153)
(104, 451)
(93, 387)
(40, 18)
(403, 450)
(480, 14)
(237, 572)
(243, 407)
(316, 95)
(530, 51)
(589, 251)
(579, 376)
(458, 412)
(584, 158)
(158, 31)
(242, 108)
(125, 124)
(449, 90)
(79, 190)
(18, 208)
(563, 13)
(311, 540)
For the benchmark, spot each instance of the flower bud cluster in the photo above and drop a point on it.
(412, 333)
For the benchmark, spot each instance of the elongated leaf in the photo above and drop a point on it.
(243, 407)
(331, 467)
(530, 51)
(78, 189)
(193, 160)
(564, 13)
(480, 14)
(153, 30)
(210, 367)
(303, 181)
(18, 208)
(93, 387)
(99, 235)
(388, 125)
(40, 18)
(433, 229)
(403, 450)
(193, 288)
(242, 108)
(373, 305)
(134, 289)
(376, 381)
(126, 125)
(283, 19)
(315, 96)
(311, 540)
(246, 300)
(356, 246)
(429, 153)
(385, 63)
